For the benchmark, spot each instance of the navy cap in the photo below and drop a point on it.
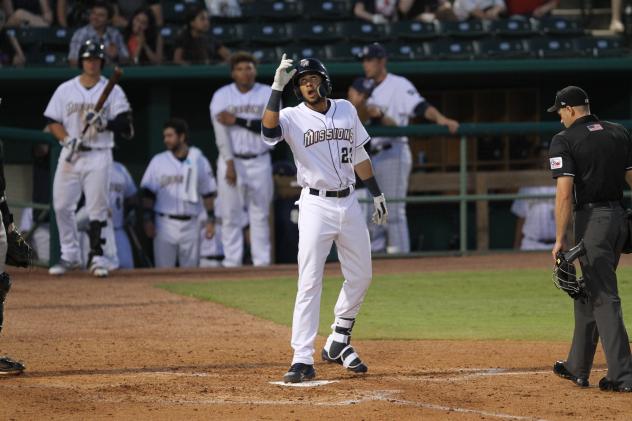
(375, 50)
(571, 96)
(363, 85)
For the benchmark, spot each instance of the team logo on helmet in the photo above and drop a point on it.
(304, 62)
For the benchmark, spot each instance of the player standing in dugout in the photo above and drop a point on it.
(327, 140)
(85, 160)
(591, 161)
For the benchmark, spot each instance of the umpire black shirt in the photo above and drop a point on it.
(597, 154)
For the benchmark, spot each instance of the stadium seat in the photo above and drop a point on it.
(272, 10)
(297, 52)
(265, 54)
(344, 51)
(169, 33)
(466, 29)
(266, 33)
(363, 31)
(403, 51)
(226, 33)
(600, 47)
(495, 48)
(47, 59)
(552, 47)
(512, 28)
(317, 32)
(327, 10)
(559, 26)
(446, 49)
(413, 30)
(174, 11)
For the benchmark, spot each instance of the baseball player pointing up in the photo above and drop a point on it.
(84, 162)
(327, 140)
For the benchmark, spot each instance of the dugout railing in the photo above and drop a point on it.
(466, 131)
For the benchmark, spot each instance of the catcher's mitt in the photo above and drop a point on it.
(19, 252)
(565, 275)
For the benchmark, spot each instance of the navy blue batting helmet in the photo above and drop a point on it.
(312, 65)
(91, 49)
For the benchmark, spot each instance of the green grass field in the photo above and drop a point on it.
(517, 304)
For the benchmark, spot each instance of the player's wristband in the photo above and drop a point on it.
(274, 103)
(210, 216)
(371, 184)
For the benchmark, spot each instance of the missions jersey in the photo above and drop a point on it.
(168, 178)
(72, 101)
(323, 144)
(397, 97)
(249, 106)
(121, 187)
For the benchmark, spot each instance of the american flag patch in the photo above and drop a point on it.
(594, 127)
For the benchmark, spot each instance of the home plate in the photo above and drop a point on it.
(310, 383)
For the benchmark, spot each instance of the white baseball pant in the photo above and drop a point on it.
(123, 249)
(176, 241)
(321, 221)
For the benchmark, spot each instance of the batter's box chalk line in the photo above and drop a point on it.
(309, 383)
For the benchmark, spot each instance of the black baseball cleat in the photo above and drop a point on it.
(353, 362)
(9, 366)
(299, 372)
(609, 386)
(560, 369)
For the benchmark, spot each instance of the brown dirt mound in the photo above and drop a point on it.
(121, 348)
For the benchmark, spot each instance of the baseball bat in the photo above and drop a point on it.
(116, 76)
(129, 229)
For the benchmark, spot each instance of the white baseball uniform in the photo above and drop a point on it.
(179, 186)
(397, 97)
(324, 147)
(539, 218)
(254, 189)
(88, 171)
(122, 186)
(110, 257)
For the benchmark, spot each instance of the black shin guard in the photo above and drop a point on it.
(5, 287)
(96, 242)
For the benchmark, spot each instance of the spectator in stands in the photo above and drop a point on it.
(479, 9)
(195, 45)
(143, 39)
(35, 13)
(376, 11)
(615, 22)
(71, 13)
(535, 224)
(224, 8)
(531, 8)
(426, 10)
(124, 11)
(99, 30)
(11, 53)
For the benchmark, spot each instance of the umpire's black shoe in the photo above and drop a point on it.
(299, 372)
(560, 369)
(609, 386)
(9, 366)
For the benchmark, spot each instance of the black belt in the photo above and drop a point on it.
(248, 156)
(218, 258)
(592, 205)
(84, 148)
(381, 148)
(177, 217)
(332, 193)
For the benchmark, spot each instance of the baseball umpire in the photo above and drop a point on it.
(591, 161)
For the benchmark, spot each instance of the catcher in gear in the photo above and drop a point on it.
(17, 252)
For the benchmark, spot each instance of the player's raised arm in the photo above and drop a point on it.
(270, 128)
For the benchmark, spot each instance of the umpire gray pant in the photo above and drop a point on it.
(600, 316)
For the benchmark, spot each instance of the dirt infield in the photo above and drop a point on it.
(121, 348)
